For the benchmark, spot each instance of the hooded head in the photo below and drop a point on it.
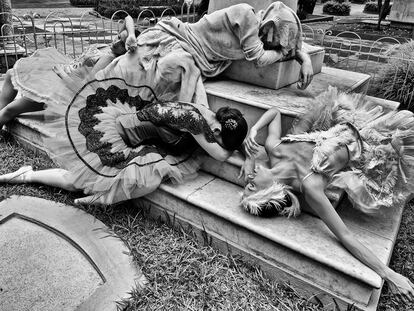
(280, 28)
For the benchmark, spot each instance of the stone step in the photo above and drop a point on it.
(253, 100)
(301, 251)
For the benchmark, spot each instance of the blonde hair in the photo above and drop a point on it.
(270, 200)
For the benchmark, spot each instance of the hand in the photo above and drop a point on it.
(250, 145)
(247, 169)
(400, 285)
(306, 74)
(131, 43)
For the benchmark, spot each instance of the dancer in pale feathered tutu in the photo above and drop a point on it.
(345, 142)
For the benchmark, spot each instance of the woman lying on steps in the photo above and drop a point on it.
(347, 143)
(116, 146)
(37, 78)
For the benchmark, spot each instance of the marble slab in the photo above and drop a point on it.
(61, 242)
(289, 100)
(306, 234)
(37, 263)
(402, 11)
(276, 75)
(302, 250)
(253, 100)
(215, 5)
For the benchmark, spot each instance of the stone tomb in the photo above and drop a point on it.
(57, 257)
(402, 11)
(215, 5)
(301, 251)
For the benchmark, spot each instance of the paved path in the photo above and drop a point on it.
(44, 7)
(25, 4)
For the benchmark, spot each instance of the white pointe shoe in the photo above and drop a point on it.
(16, 177)
(89, 200)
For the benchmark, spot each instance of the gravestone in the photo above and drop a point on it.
(402, 11)
(57, 257)
(257, 4)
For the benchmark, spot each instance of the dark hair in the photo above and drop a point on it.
(233, 127)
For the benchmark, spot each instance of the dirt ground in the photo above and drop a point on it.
(364, 28)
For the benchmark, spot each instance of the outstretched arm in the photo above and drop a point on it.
(213, 149)
(306, 69)
(314, 194)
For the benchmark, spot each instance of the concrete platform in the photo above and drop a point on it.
(57, 257)
(301, 251)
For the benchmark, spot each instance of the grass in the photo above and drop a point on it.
(182, 273)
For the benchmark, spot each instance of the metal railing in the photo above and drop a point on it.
(71, 35)
(385, 60)
(389, 61)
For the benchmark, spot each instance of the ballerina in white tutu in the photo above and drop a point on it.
(38, 78)
(350, 144)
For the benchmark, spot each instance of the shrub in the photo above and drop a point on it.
(89, 3)
(359, 1)
(372, 7)
(396, 79)
(336, 8)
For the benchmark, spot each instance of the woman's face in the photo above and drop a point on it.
(260, 179)
(268, 39)
(118, 44)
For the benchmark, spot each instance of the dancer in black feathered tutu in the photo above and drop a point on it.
(115, 146)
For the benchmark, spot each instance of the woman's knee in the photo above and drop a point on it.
(21, 105)
(8, 75)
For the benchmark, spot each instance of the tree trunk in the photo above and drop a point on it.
(382, 13)
(5, 17)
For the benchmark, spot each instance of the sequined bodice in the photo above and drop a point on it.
(178, 116)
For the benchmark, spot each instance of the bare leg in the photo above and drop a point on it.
(54, 177)
(18, 107)
(8, 93)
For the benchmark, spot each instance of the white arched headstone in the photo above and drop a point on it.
(257, 4)
(402, 11)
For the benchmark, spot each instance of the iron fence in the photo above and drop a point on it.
(389, 61)
(385, 60)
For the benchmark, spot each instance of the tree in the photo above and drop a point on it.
(305, 7)
(383, 10)
(5, 17)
